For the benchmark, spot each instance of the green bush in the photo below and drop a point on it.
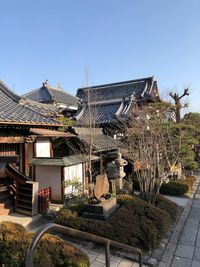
(168, 206)
(178, 187)
(53, 251)
(135, 223)
(50, 251)
(174, 188)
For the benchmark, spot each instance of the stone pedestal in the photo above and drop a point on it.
(100, 211)
(112, 187)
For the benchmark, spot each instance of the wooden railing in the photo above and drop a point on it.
(79, 234)
(16, 175)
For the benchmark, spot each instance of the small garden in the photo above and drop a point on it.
(51, 251)
(135, 223)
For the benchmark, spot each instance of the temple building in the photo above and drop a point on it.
(25, 134)
(106, 105)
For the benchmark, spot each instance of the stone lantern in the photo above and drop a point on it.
(115, 170)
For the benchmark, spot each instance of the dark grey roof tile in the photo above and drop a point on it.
(47, 94)
(12, 111)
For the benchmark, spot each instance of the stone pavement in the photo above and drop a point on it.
(183, 249)
(97, 256)
(19, 218)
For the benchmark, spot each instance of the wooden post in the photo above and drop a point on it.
(26, 159)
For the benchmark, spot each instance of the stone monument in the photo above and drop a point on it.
(103, 204)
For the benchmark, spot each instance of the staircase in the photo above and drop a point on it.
(18, 193)
(26, 201)
(6, 198)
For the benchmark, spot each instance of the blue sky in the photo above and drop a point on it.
(115, 40)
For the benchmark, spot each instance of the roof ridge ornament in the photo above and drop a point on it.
(45, 84)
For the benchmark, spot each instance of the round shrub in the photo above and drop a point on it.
(168, 206)
(14, 242)
(135, 223)
(51, 251)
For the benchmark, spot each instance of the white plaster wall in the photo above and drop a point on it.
(43, 147)
(49, 176)
(71, 172)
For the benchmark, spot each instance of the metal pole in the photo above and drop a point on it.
(140, 259)
(107, 254)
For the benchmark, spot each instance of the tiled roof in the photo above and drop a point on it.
(47, 94)
(116, 90)
(49, 133)
(99, 114)
(100, 141)
(44, 109)
(111, 102)
(65, 161)
(12, 112)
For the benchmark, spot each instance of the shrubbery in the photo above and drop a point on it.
(50, 251)
(135, 223)
(174, 189)
(178, 187)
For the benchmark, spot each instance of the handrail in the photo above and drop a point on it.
(77, 233)
(16, 175)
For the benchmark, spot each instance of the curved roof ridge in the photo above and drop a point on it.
(116, 83)
(9, 92)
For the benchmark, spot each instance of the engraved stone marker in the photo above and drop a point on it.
(101, 186)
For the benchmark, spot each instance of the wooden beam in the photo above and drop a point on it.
(12, 139)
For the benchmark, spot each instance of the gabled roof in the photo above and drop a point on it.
(48, 94)
(12, 112)
(106, 104)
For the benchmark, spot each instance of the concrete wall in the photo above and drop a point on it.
(49, 176)
(43, 148)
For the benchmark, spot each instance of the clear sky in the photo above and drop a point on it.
(115, 40)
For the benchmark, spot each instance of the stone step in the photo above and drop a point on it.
(6, 211)
(8, 203)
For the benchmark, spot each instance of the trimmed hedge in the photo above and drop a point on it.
(178, 187)
(51, 251)
(174, 189)
(135, 223)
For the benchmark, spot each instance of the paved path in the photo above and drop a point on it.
(184, 250)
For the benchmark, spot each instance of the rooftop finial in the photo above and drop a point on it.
(46, 83)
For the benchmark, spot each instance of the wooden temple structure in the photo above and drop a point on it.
(24, 134)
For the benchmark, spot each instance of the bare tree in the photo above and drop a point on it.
(150, 147)
(178, 105)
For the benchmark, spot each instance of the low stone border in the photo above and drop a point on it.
(172, 243)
